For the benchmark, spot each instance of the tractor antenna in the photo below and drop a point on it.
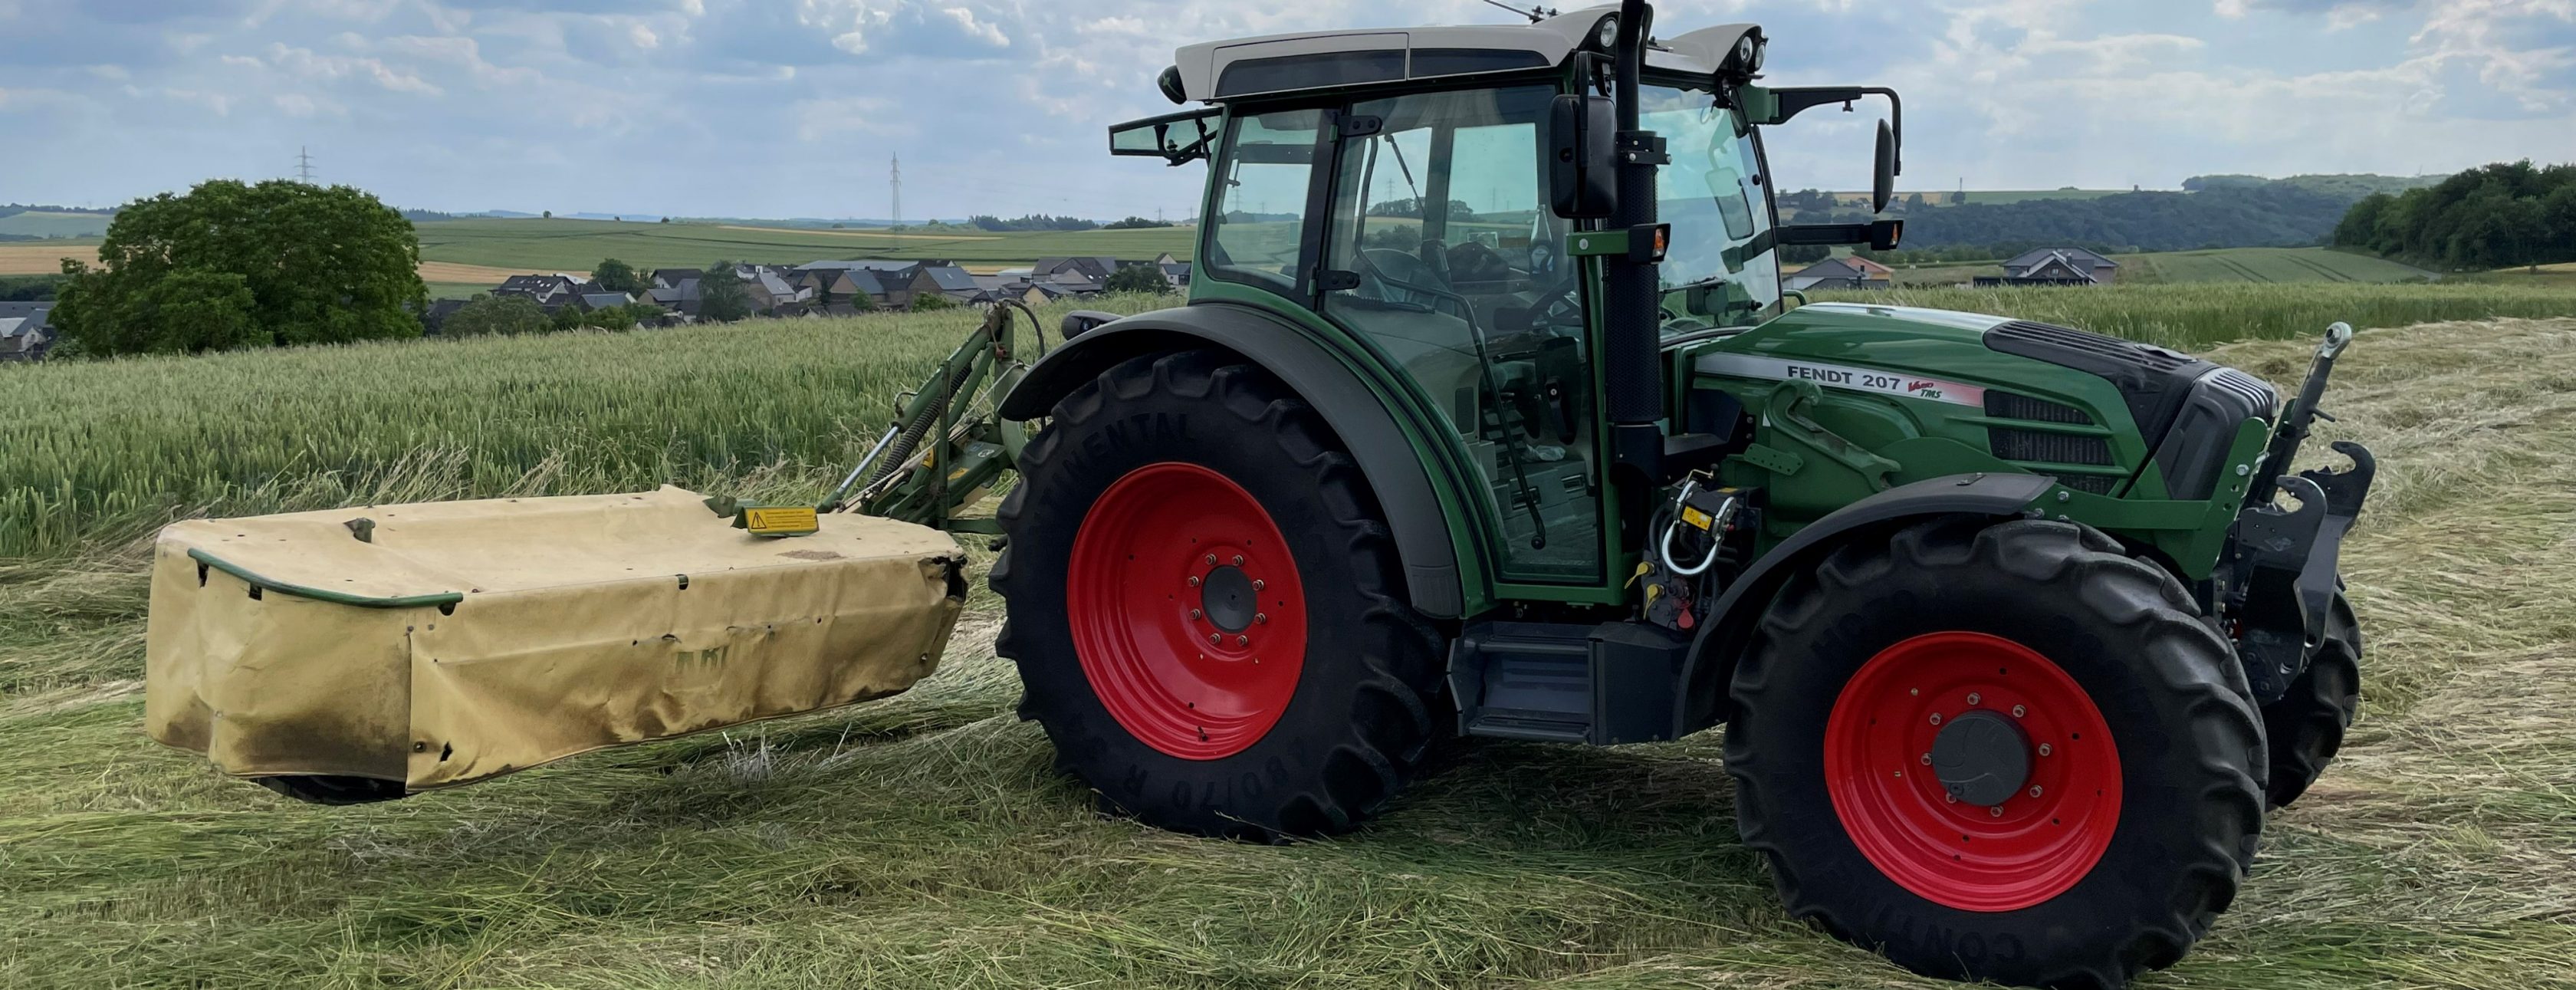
(1535, 13)
(303, 166)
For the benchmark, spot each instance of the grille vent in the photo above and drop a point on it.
(2054, 448)
(2006, 405)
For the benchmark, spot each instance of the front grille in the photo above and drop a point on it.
(2053, 448)
(2098, 484)
(2006, 405)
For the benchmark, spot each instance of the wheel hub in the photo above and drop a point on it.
(1228, 599)
(1186, 610)
(1972, 771)
(1981, 757)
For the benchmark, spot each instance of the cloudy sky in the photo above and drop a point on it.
(776, 108)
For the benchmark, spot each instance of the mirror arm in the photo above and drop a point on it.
(1790, 102)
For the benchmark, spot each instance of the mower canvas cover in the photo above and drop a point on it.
(451, 642)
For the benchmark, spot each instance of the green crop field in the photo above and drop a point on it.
(1986, 197)
(577, 245)
(2257, 265)
(924, 841)
(37, 223)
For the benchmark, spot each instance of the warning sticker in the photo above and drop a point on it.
(1843, 377)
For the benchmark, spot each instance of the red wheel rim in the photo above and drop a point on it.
(2002, 857)
(1186, 609)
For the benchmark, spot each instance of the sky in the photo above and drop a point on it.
(794, 108)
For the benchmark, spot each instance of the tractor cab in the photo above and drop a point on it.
(1431, 196)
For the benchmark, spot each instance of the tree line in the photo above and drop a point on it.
(2494, 216)
(2274, 214)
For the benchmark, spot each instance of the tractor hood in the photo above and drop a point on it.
(1931, 354)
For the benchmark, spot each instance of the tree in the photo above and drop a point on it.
(321, 265)
(722, 298)
(549, 214)
(567, 317)
(1138, 278)
(927, 302)
(1134, 223)
(486, 315)
(613, 275)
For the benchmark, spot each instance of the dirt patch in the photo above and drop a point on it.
(449, 271)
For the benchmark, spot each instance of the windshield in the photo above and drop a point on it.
(1715, 197)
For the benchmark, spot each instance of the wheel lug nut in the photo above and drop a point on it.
(1238, 560)
(1243, 641)
(1194, 613)
(1258, 585)
(1212, 638)
(1927, 759)
(1949, 799)
(1262, 618)
(1194, 581)
(1211, 560)
(2034, 790)
(2018, 712)
(1995, 812)
(2043, 749)
(1974, 697)
(1936, 718)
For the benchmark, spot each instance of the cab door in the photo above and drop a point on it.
(1440, 249)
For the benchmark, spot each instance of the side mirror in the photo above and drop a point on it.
(1582, 164)
(1883, 182)
(1885, 235)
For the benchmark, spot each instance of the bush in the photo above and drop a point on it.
(505, 316)
(1138, 278)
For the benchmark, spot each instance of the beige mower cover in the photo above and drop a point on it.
(470, 639)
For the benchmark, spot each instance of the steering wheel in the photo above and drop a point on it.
(1392, 269)
(1472, 261)
(1560, 304)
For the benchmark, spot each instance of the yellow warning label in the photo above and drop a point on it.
(781, 521)
(1697, 519)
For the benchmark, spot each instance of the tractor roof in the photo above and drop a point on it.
(1224, 70)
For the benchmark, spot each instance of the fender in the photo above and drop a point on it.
(1722, 637)
(1394, 471)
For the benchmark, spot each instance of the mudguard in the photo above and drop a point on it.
(1394, 469)
(1730, 625)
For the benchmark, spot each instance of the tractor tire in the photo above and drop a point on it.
(2305, 727)
(1997, 751)
(333, 790)
(1206, 609)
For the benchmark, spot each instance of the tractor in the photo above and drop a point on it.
(1487, 416)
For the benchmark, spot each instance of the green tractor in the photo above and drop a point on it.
(1488, 416)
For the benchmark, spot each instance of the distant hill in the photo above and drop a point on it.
(2351, 187)
(2222, 211)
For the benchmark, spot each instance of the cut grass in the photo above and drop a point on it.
(923, 841)
(2205, 315)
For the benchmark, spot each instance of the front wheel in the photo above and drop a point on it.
(2306, 725)
(1206, 609)
(2000, 751)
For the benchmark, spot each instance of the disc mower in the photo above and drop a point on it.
(1488, 416)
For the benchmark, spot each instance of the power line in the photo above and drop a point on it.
(895, 182)
(303, 166)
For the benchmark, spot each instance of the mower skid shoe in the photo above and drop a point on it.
(2293, 556)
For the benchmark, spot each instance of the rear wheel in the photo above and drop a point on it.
(1205, 607)
(2305, 727)
(1997, 751)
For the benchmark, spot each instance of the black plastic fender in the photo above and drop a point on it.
(1730, 624)
(1394, 471)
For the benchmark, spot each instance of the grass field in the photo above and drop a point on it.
(577, 245)
(924, 842)
(2257, 265)
(38, 223)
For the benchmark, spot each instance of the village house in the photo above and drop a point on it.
(1852, 272)
(26, 333)
(2057, 266)
(551, 292)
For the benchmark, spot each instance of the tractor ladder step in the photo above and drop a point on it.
(1545, 682)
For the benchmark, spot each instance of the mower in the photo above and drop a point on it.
(1487, 416)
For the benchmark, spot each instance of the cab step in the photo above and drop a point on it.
(1557, 682)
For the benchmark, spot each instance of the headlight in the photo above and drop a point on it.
(1608, 35)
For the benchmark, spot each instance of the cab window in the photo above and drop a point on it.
(1261, 206)
(1441, 249)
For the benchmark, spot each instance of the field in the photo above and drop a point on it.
(577, 245)
(37, 223)
(2258, 265)
(923, 841)
(1986, 197)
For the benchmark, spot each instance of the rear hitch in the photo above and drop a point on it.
(2281, 561)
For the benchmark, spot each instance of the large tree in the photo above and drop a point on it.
(505, 316)
(613, 275)
(722, 298)
(1138, 278)
(320, 266)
